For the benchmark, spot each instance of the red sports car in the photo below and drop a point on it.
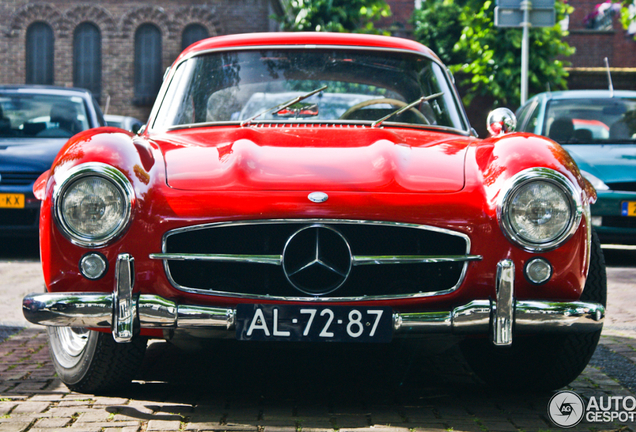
(317, 188)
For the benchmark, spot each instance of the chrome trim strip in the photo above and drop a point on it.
(156, 312)
(412, 259)
(358, 260)
(470, 318)
(97, 169)
(311, 222)
(69, 309)
(124, 305)
(205, 316)
(425, 322)
(255, 259)
(541, 174)
(503, 312)
(95, 310)
(473, 317)
(587, 213)
(533, 316)
(318, 124)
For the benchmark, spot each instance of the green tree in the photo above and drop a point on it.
(343, 16)
(437, 25)
(628, 13)
(487, 59)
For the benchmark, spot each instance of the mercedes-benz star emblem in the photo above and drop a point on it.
(317, 260)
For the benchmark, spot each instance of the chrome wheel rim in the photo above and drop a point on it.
(73, 340)
(68, 343)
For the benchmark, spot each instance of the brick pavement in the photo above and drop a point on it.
(186, 393)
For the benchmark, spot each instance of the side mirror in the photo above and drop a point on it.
(501, 121)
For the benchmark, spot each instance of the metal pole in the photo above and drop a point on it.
(525, 7)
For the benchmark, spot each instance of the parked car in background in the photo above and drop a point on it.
(35, 122)
(124, 122)
(317, 188)
(598, 128)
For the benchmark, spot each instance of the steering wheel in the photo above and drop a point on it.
(369, 102)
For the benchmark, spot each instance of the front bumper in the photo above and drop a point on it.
(123, 312)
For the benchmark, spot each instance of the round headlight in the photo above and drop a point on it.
(540, 209)
(93, 204)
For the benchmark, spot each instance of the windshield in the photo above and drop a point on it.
(41, 116)
(361, 86)
(591, 121)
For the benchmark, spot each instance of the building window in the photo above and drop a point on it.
(39, 54)
(602, 17)
(148, 73)
(87, 58)
(193, 33)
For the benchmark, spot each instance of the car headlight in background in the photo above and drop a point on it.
(539, 210)
(596, 182)
(93, 204)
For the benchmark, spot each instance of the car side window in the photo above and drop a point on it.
(533, 118)
(98, 111)
(522, 115)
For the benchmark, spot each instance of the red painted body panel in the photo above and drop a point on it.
(314, 158)
(471, 210)
(304, 39)
(222, 173)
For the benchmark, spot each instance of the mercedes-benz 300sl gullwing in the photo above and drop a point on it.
(317, 188)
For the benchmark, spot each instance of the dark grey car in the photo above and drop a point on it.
(35, 122)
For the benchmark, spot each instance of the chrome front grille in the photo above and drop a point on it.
(315, 259)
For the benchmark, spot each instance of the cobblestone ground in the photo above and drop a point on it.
(286, 389)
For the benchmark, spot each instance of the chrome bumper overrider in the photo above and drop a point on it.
(121, 311)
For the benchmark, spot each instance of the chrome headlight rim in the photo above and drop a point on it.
(110, 174)
(553, 177)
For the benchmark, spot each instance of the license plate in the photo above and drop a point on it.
(629, 208)
(11, 200)
(313, 324)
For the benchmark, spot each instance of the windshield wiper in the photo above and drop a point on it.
(406, 107)
(283, 105)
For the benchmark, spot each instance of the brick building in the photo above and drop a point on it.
(118, 49)
(595, 31)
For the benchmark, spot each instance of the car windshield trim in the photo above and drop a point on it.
(460, 124)
(326, 123)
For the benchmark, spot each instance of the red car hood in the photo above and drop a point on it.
(325, 158)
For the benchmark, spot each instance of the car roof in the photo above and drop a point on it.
(587, 94)
(44, 89)
(305, 39)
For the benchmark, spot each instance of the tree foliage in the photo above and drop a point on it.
(437, 25)
(343, 16)
(628, 14)
(487, 59)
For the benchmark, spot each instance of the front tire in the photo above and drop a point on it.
(542, 362)
(90, 362)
